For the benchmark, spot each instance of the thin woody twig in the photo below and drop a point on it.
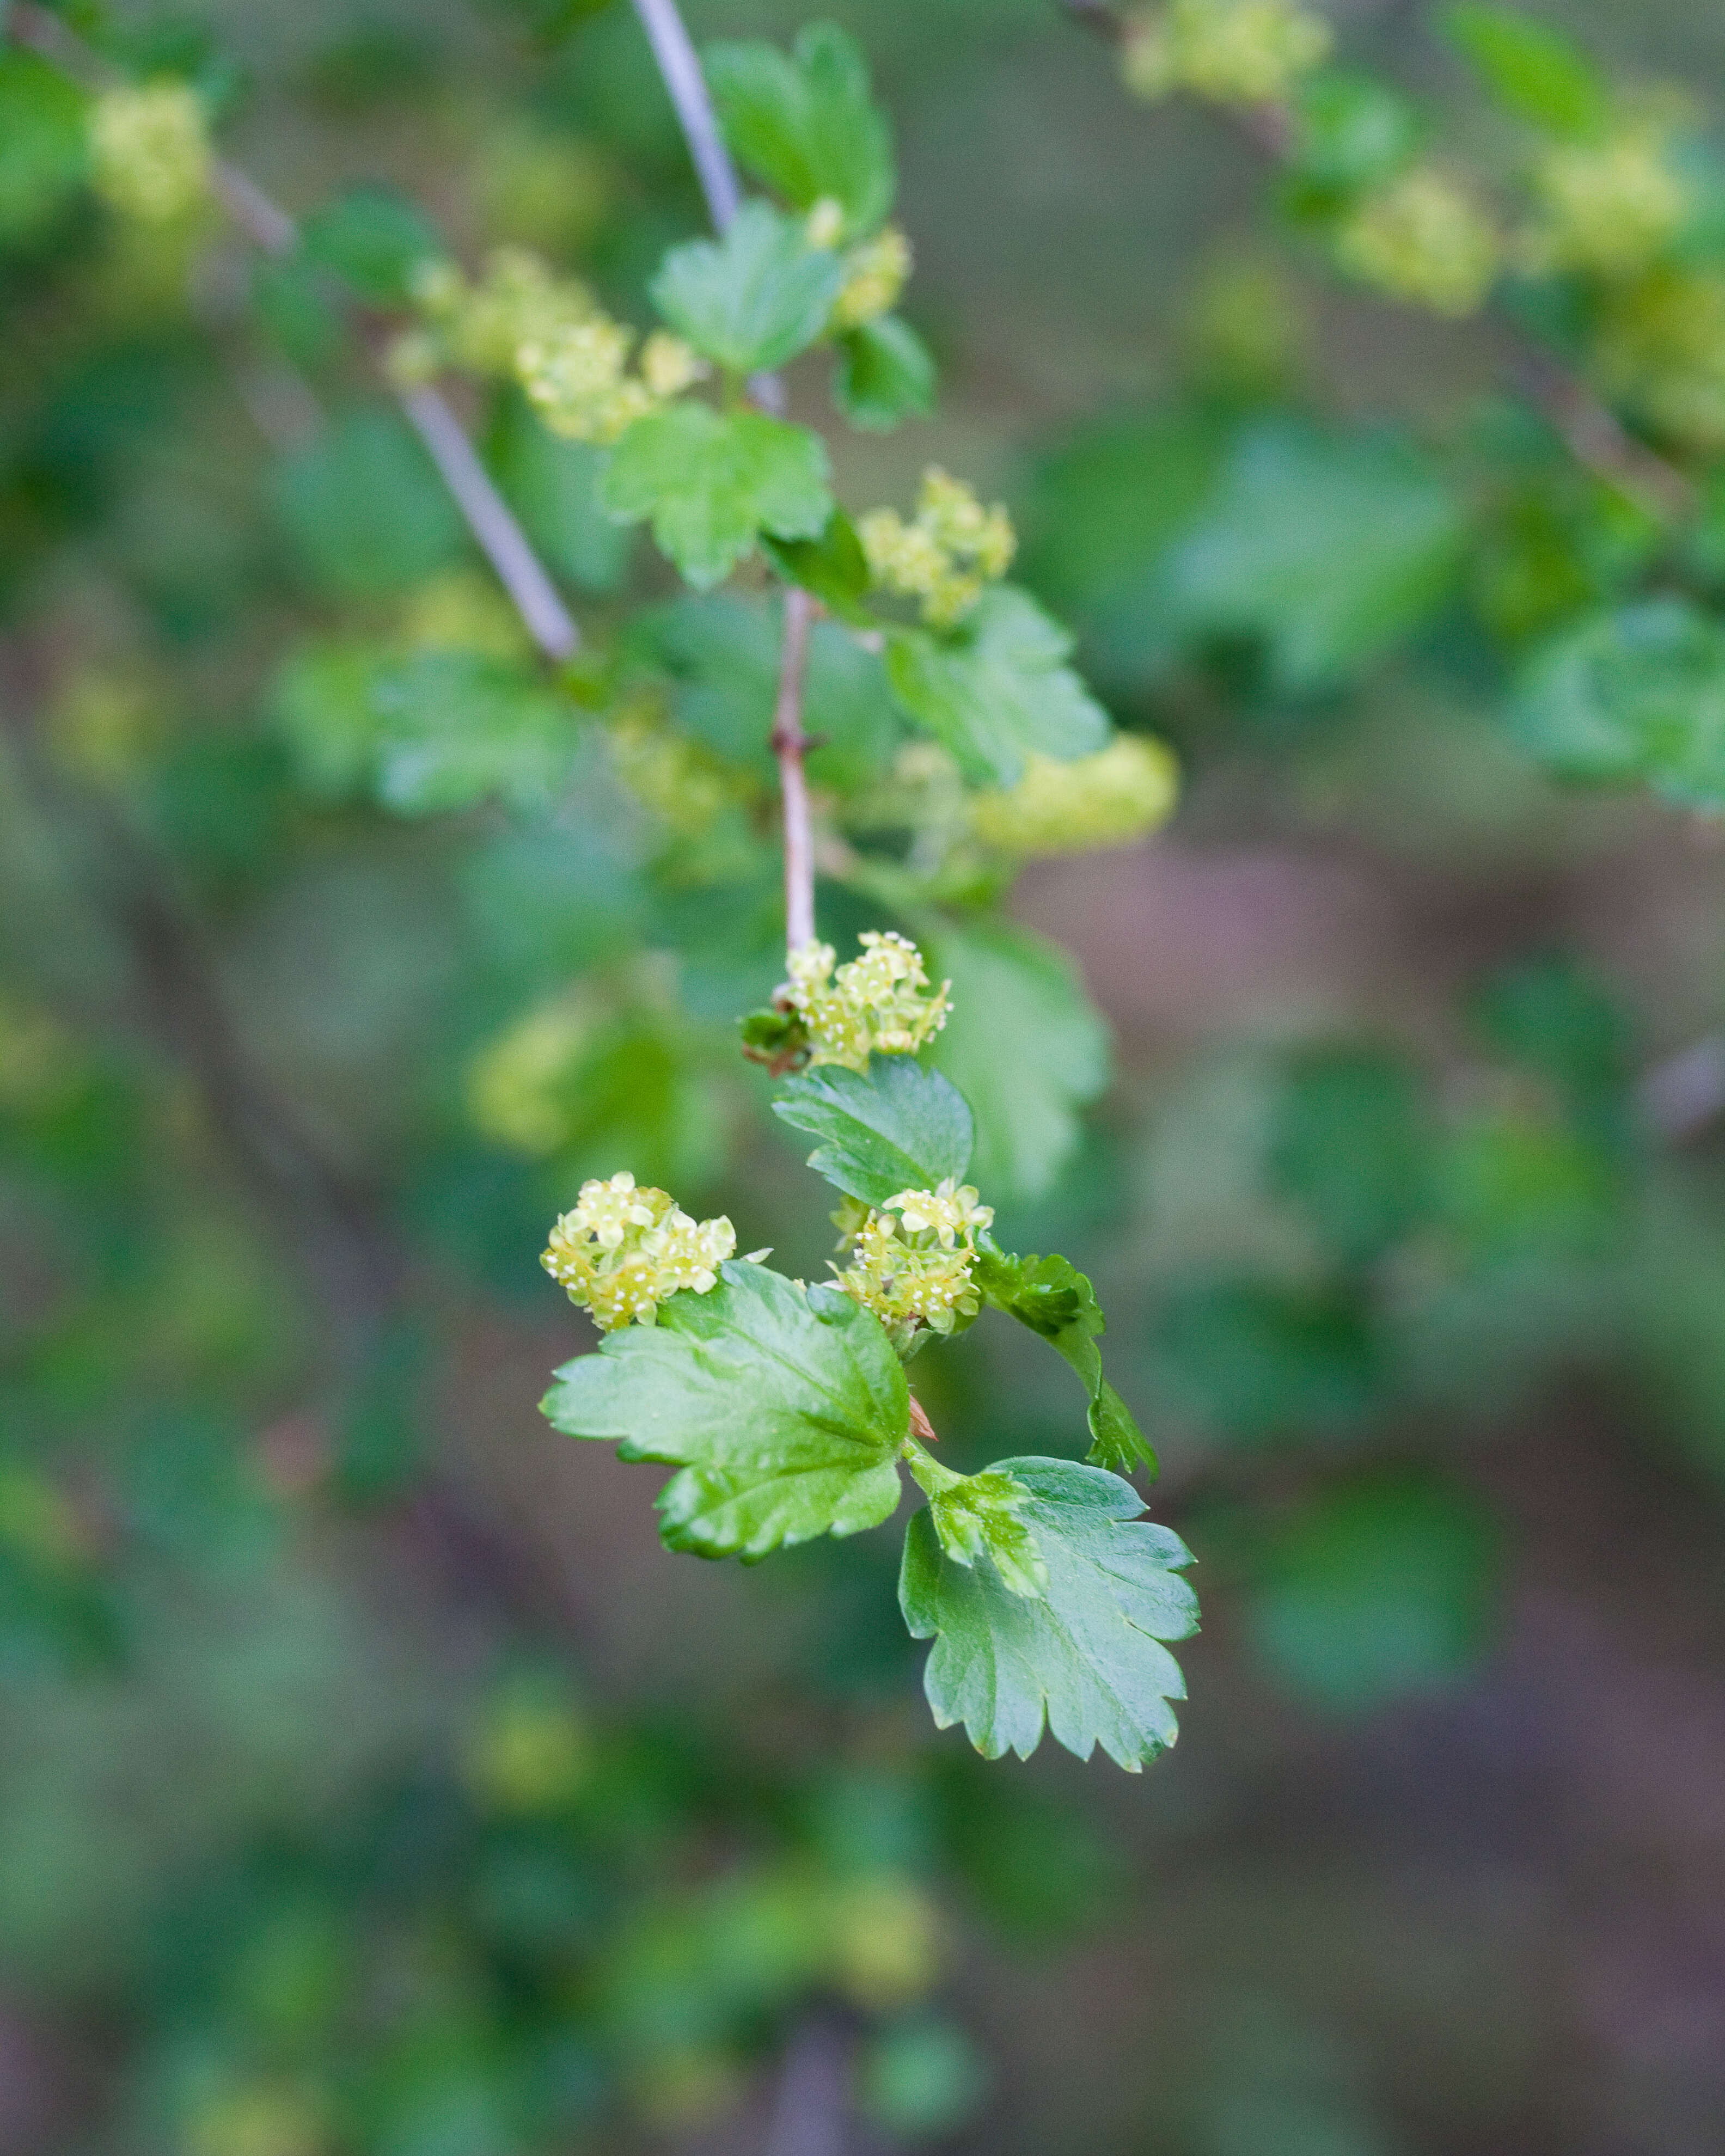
(790, 745)
(519, 569)
(681, 66)
(270, 229)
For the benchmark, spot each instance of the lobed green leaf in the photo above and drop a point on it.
(1635, 693)
(977, 1515)
(1326, 548)
(753, 298)
(1085, 1657)
(998, 688)
(805, 123)
(785, 1410)
(712, 483)
(896, 1128)
(1024, 1046)
(885, 373)
(1056, 1301)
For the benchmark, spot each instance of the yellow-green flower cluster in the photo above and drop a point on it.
(579, 383)
(480, 325)
(915, 1269)
(947, 554)
(1661, 346)
(622, 1250)
(519, 1086)
(150, 149)
(666, 772)
(874, 274)
(1233, 52)
(1425, 239)
(1107, 799)
(1608, 207)
(882, 1004)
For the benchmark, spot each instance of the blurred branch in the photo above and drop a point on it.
(681, 66)
(268, 226)
(809, 2110)
(519, 570)
(790, 745)
(1681, 1095)
(1588, 427)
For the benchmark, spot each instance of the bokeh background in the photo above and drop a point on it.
(370, 1781)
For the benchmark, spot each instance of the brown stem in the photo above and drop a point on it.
(790, 745)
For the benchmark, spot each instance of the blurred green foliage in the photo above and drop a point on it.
(339, 939)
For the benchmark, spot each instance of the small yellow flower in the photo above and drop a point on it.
(1608, 207)
(1108, 799)
(879, 1004)
(825, 226)
(149, 148)
(876, 274)
(1233, 52)
(1423, 238)
(946, 557)
(915, 1269)
(948, 1212)
(518, 299)
(622, 1250)
(668, 366)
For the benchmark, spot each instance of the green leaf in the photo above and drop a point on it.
(365, 507)
(885, 373)
(1533, 71)
(1353, 132)
(977, 1515)
(1350, 1146)
(712, 483)
(1025, 1047)
(1635, 693)
(1384, 1585)
(455, 727)
(723, 654)
(754, 298)
(1326, 548)
(43, 152)
(321, 703)
(898, 1128)
(1056, 1301)
(833, 566)
(998, 688)
(553, 485)
(1085, 1654)
(805, 124)
(785, 1412)
(374, 238)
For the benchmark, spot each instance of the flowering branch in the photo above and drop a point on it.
(1589, 430)
(269, 227)
(680, 65)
